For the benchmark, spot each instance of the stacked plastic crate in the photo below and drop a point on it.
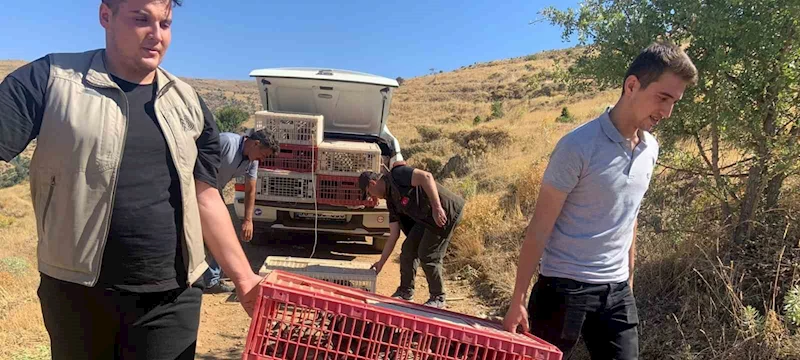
(288, 176)
(339, 165)
(308, 168)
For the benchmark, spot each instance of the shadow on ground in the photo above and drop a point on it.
(279, 243)
(232, 353)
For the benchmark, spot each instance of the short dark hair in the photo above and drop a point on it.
(114, 4)
(265, 139)
(658, 58)
(364, 179)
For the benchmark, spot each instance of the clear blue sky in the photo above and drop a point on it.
(226, 39)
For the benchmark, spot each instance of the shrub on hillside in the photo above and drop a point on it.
(427, 163)
(497, 110)
(545, 90)
(524, 191)
(458, 165)
(467, 186)
(17, 173)
(429, 133)
(565, 116)
(480, 140)
(400, 81)
(441, 147)
(230, 118)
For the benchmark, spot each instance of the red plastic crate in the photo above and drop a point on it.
(299, 158)
(340, 190)
(297, 317)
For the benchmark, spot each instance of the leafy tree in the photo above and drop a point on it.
(230, 118)
(742, 117)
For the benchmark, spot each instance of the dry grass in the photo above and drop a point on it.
(691, 304)
(8, 66)
(21, 325)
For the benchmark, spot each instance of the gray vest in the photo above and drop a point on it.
(76, 162)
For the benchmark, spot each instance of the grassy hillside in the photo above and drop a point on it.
(485, 131)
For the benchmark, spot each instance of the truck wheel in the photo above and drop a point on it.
(379, 242)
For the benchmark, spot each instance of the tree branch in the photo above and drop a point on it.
(701, 173)
(733, 79)
(702, 151)
(740, 162)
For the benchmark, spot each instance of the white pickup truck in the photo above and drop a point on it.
(355, 107)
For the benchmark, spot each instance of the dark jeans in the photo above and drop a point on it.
(561, 310)
(426, 248)
(94, 323)
(213, 275)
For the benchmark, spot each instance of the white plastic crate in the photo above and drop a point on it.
(347, 158)
(292, 128)
(357, 275)
(286, 186)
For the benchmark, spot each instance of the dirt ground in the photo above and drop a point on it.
(224, 324)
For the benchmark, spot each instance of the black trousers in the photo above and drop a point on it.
(423, 247)
(561, 310)
(95, 323)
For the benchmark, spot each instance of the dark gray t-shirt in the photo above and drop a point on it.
(605, 182)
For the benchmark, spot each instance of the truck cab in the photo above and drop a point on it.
(355, 107)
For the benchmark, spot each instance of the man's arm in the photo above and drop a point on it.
(394, 234)
(425, 180)
(560, 178)
(249, 206)
(632, 255)
(221, 240)
(548, 208)
(218, 232)
(22, 96)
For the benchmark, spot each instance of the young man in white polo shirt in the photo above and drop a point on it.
(584, 226)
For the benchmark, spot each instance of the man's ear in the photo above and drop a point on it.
(631, 84)
(105, 15)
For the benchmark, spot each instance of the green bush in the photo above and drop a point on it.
(477, 120)
(565, 117)
(230, 118)
(791, 305)
(497, 110)
(16, 174)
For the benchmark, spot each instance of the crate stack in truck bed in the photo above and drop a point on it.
(309, 168)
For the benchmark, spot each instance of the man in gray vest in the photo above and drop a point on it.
(124, 189)
(239, 155)
(584, 226)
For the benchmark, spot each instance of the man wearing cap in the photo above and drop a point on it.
(239, 155)
(414, 194)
